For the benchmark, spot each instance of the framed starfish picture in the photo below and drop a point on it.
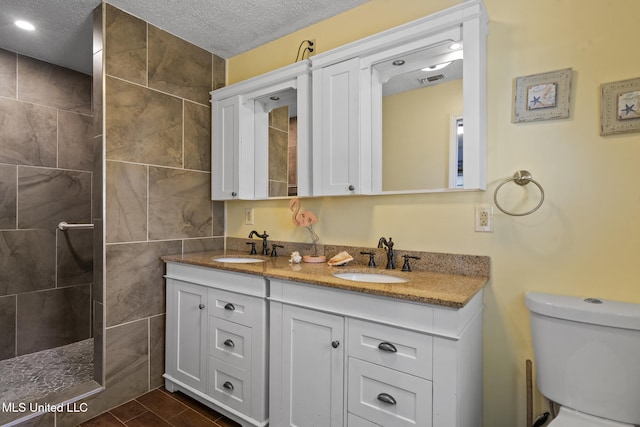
(542, 96)
(620, 107)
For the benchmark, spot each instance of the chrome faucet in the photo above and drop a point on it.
(391, 255)
(263, 236)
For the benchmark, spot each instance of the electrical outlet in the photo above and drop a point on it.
(312, 47)
(248, 216)
(484, 219)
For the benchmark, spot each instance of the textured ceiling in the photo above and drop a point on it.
(224, 27)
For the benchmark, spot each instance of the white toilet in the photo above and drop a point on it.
(587, 358)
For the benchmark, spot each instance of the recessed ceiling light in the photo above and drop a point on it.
(398, 62)
(454, 46)
(25, 25)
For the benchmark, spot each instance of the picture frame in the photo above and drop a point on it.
(542, 96)
(620, 107)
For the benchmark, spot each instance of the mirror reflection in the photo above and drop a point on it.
(421, 93)
(283, 130)
(282, 140)
(456, 146)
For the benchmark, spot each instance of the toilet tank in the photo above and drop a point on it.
(587, 354)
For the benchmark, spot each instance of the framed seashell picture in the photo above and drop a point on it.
(620, 107)
(542, 96)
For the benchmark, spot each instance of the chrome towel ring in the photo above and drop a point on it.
(521, 177)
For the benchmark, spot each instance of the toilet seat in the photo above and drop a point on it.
(570, 418)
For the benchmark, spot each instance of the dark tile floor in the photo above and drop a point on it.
(159, 408)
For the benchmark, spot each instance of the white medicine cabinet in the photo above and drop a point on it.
(372, 117)
(253, 124)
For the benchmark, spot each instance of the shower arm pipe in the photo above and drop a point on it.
(64, 226)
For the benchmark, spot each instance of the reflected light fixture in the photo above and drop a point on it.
(24, 25)
(437, 66)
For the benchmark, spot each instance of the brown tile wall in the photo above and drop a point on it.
(157, 139)
(278, 151)
(46, 170)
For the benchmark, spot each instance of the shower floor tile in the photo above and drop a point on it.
(50, 376)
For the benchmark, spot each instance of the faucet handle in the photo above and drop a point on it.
(273, 249)
(253, 248)
(406, 266)
(372, 261)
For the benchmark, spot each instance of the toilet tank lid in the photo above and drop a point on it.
(587, 310)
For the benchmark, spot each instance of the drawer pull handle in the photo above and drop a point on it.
(229, 306)
(387, 346)
(201, 306)
(335, 344)
(228, 385)
(229, 343)
(386, 398)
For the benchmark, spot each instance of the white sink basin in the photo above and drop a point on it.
(238, 260)
(370, 277)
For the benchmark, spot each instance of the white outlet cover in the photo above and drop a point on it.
(484, 219)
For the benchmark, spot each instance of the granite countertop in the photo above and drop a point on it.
(449, 290)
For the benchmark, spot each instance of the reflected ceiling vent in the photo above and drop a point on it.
(431, 79)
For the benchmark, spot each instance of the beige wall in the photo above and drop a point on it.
(583, 241)
(416, 136)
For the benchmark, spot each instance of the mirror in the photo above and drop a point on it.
(280, 134)
(280, 109)
(456, 150)
(282, 150)
(421, 92)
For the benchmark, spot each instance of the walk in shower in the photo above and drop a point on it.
(50, 279)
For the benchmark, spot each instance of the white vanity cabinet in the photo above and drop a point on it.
(307, 359)
(187, 315)
(216, 340)
(340, 358)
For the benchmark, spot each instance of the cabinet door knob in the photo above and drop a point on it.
(234, 194)
(229, 306)
(228, 385)
(387, 346)
(386, 398)
(351, 188)
(201, 306)
(335, 344)
(229, 343)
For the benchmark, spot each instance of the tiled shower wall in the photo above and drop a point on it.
(46, 164)
(283, 145)
(157, 151)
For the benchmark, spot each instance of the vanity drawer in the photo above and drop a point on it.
(395, 348)
(230, 342)
(387, 397)
(237, 308)
(229, 385)
(355, 421)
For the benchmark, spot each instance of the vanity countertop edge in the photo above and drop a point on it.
(448, 290)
